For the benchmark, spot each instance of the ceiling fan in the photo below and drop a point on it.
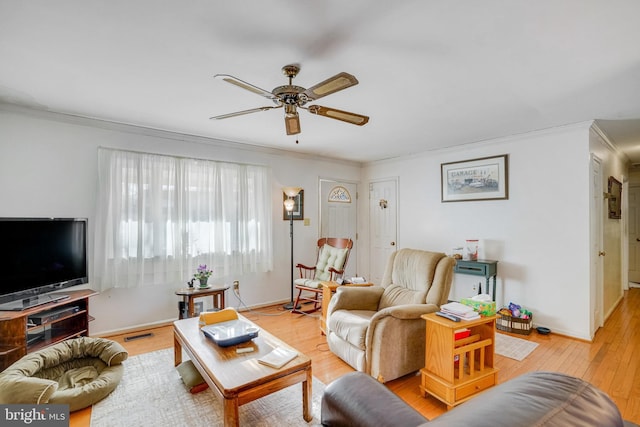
(292, 97)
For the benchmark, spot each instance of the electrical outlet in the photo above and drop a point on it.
(236, 286)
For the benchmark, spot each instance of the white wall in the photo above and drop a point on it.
(540, 235)
(48, 167)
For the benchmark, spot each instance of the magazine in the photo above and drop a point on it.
(278, 357)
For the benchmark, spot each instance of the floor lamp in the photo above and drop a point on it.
(289, 204)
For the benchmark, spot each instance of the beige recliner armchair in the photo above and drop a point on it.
(378, 330)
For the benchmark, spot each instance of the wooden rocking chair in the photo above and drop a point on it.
(332, 257)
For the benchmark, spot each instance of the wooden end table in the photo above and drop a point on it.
(189, 294)
(239, 378)
(452, 379)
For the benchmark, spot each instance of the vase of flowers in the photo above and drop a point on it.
(202, 274)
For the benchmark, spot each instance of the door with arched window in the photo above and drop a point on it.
(338, 215)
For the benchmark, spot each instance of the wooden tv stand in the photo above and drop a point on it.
(18, 336)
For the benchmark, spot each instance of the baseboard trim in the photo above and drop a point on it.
(169, 322)
(133, 329)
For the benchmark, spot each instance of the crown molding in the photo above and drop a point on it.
(487, 142)
(606, 141)
(164, 134)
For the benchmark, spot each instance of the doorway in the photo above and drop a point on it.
(633, 211)
(338, 216)
(383, 225)
(597, 245)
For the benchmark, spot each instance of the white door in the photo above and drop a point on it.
(383, 227)
(597, 242)
(338, 216)
(634, 234)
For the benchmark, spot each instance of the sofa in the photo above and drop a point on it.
(533, 399)
(379, 329)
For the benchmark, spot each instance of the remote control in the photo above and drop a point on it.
(448, 316)
(244, 350)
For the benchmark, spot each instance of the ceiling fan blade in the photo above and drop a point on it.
(292, 123)
(331, 85)
(242, 113)
(345, 116)
(246, 86)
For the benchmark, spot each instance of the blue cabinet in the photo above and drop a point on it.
(483, 267)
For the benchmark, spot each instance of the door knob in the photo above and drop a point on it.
(637, 239)
(393, 243)
(602, 253)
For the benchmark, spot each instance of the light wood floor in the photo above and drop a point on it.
(611, 362)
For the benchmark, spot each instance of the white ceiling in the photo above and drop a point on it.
(433, 73)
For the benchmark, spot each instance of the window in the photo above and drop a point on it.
(159, 217)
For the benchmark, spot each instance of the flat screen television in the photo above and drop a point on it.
(39, 256)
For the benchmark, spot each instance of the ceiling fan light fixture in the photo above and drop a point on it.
(291, 97)
(290, 110)
(292, 124)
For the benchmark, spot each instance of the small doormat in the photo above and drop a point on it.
(513, 348)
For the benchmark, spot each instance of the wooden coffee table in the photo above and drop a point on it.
(239, 378)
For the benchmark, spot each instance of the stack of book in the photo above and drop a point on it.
(462, 311)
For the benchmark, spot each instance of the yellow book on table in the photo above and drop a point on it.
(278, 357)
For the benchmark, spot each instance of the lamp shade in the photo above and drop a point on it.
(291, 191)
(289, 204)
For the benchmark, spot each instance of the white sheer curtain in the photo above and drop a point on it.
(159, 217)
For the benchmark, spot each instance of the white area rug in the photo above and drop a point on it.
(151, 393)
(512, 347)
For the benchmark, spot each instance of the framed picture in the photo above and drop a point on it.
(477, 179)
(614, 198)
(298, 207)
